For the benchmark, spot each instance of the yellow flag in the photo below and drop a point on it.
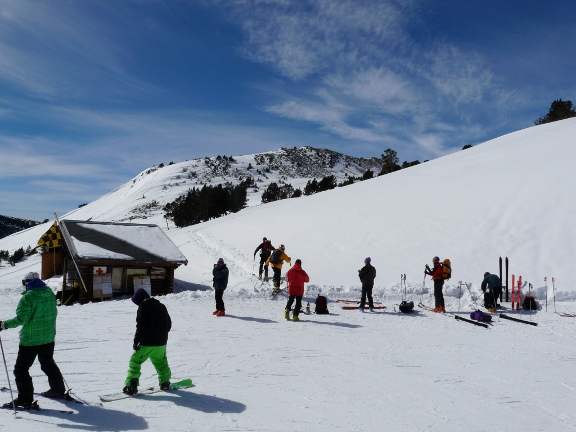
(51, 238)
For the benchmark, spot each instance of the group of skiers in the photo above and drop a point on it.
(37, 311)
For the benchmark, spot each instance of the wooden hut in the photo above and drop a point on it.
(104, 259)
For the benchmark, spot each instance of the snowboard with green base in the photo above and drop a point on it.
(186, 383)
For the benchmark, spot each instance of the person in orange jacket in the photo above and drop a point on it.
(276, 259)
(296, 278)
(436, 274)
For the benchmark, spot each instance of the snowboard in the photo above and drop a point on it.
(186, 383)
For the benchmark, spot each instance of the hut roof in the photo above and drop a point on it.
(89, 240)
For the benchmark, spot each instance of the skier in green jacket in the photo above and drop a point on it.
(36, 313)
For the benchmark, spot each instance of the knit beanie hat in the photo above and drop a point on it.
(139, 296)
(367, 260)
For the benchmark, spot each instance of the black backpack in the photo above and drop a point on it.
(321, 305)
(529, 303)
(406, 307)
(276, 257)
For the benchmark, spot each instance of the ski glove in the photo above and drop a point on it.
(2, 326)
(136, 346)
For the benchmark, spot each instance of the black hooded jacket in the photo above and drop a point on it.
(152, 324)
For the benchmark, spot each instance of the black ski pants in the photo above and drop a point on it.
(276, 278)
(491, 296)
(367, 292)
(263, 268)
(218, 295)
(24, 361)
(438, 294)
(298, 305)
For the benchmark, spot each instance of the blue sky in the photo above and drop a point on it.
(93, 92)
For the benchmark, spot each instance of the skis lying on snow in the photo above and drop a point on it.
(518, 320)
(479, 324)
(458, 317)
(566, 315)
(66, 398)
(358, 307)
(35, 408)
(352, 301)
(154, 389)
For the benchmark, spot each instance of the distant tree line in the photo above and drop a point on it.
(559, 110)
(17, 256)
(275, 192)
(201, 205)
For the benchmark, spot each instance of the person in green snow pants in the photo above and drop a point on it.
(152, 326)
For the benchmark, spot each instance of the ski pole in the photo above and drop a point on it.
(545, 281)
(459, 293)
(8, 376)
(554, 293)
(422, 289)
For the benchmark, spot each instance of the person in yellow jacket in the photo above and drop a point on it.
(276, 259)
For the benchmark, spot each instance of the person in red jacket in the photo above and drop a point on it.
(436, 274)
(296, 278)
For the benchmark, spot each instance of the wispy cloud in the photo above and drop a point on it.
(365, 77)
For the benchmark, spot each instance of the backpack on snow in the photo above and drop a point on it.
(321, 305)
(478, 315)
(529, 303)
(276, 257)
(406, 307)
(446, 269)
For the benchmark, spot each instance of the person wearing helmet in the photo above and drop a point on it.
(492, 289)
(265, 249)
(36, 313)
(276, 259)
(436, 274)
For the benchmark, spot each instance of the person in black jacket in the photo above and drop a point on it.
(266, 249)
(367, 275)
(220, 279)
(152, 326)
(492, 289)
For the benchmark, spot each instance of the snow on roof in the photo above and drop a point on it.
(107, 240)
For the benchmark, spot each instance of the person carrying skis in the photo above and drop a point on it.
(367, 274)
(296, 278)
(220, 279)
(36, 313)
(438, 279)
(266, 249)
(492, 289)
(276, 259)
(152, 326)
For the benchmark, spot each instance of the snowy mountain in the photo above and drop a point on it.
(144, 197)
(347, 371)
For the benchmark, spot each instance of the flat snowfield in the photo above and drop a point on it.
(347, 371)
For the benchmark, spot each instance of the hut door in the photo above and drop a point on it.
(117, 279)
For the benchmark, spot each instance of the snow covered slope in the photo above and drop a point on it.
(512, 196)
(346, 371)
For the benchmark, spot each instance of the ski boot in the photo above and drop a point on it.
(221, 313)
(19, 403)
(165, 386)
(295, 318)
(131, 389)
(52, 394)
(287, 314)
(361, 309)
